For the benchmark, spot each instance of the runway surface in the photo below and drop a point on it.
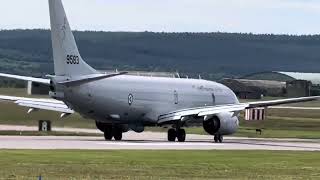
(146, 140)
(155, 141)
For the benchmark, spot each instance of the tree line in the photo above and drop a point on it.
(211, 55)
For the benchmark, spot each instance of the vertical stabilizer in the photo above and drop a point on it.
(66, 56)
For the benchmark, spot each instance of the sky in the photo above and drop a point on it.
(246, 16)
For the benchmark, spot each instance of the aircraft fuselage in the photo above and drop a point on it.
(130, 99)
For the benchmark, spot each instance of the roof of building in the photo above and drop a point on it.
(236, 86)
(263, 83)
(313, 77)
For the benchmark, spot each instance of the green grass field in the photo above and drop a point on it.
(280, 122)
(58, 164)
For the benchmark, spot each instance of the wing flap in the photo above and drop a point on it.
(294, 108)
(25, 78)
(47, 107)
(235, 108)
(43, 104)
(282, 101)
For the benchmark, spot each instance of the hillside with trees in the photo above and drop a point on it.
(213, 55)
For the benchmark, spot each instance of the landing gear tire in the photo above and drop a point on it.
(218, 138)
(181, 135)
(100, 126)
(172, 134)
(117, 133)
(112, 132)
(108, 133)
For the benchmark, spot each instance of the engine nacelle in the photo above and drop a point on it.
(223, 124)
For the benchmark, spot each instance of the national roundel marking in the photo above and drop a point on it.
(130, 99)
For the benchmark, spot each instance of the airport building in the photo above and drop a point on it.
(255, 89)
(296, 84)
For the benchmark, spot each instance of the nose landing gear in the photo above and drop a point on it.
(218, 138)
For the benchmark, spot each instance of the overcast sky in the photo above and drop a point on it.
(256, 16)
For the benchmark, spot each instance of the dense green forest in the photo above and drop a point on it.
(213, 55)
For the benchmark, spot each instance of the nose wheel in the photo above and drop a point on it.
(218, 138)
(179, 134)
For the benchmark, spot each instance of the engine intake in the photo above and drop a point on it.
(212, 125)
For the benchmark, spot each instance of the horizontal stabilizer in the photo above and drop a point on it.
(89, 78)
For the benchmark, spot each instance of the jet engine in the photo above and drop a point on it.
(223, 124)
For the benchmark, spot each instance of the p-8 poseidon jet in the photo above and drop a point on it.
(119, 102)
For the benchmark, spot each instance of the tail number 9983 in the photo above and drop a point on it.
(71, 59)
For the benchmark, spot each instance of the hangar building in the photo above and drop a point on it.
(255, 89)
(297, 84)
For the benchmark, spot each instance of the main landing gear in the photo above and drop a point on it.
(112, 132)
(218, 138)
(174, 134)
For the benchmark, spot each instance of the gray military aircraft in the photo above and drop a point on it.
(119, 102)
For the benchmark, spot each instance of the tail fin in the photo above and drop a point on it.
(67, 59)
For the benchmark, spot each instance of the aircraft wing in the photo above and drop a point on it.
(236, 108)
(25, 78)
(39, 104)
(294, 108)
